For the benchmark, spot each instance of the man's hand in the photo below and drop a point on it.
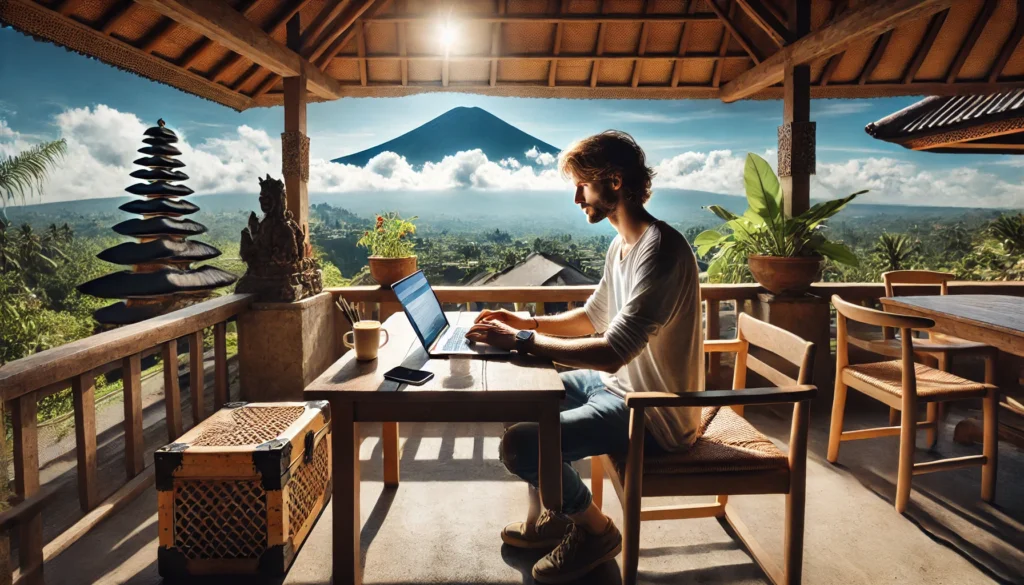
(494, 332)
(504, 316)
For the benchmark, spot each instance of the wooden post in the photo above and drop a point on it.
(172, 394)
(26, 483)
(294, 142)
(797, 133)
(83, 392)
(196, 376)
(220, 365)
(134, 445)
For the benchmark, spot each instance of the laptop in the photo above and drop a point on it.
(428, 320)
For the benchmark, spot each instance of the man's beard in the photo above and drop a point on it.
(606, 204)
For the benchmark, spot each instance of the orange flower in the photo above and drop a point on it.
(380, 222)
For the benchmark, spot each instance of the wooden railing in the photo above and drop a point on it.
(76, 365)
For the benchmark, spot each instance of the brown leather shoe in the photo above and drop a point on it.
(546, 533)
(579, 553)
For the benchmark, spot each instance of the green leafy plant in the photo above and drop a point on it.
(764, 229)
(895, 251)
(389, 237)
(23, 174)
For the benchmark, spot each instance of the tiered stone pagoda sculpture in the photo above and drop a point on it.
(280, 264)
(161, 279)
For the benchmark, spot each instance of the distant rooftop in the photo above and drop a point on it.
(538, 269)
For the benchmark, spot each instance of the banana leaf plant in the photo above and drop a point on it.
(764, 229)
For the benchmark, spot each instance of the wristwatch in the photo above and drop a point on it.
(524, 340)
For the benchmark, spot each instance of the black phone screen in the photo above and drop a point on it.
(408, 375)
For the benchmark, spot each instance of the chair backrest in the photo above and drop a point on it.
(787, 345)
(916, 277)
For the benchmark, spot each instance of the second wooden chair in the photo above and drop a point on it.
(903, 384)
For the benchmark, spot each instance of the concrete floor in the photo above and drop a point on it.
(441, 525)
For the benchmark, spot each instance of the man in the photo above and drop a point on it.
(646, 312)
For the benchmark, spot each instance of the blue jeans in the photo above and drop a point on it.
(594, 422)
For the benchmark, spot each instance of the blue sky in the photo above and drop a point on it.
(49, 92)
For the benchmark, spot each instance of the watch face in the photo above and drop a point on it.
(524, 335)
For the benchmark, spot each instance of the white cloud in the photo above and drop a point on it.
(658, 118)
(102, 144)
(829, 109)
(544, 159)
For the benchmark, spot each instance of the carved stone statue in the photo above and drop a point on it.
(280, 266)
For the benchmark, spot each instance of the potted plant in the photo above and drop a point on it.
(783, 253)
(390, 245)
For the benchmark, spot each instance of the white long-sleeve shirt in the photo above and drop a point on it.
(647, 306)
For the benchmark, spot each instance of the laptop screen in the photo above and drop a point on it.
(421, 307)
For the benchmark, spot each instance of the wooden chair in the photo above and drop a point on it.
(730, 458)
(902, 384)
(936, 350)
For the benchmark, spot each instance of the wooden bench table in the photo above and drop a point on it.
(507, 389)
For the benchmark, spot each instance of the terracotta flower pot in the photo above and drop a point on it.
(388, 271)
(781, 275)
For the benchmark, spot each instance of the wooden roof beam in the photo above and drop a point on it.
(495, 44)
(767, 21)
(642, 44)
(1009, 47)
(740, 38)
(33, 18)
(401, 6)
(221, 23)
(344, 39)
(972, 38)
(564, 18)
(598, 50)
(218, 72)
(203, 46)
(115, 15)
(876, 55)
(934, 26)
(869, 21)
(330, 11)
(158, 33)
(723, 49)
(341, 25)
(684, 40)
(556, 46)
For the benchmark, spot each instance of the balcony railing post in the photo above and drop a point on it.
(713, 330)
(220, 365)
(196, 375)
(26, 483)
(134, 445)
(172, 394)
(83, 391)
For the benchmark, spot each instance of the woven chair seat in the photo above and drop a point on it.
(728, 443)
(932, 384)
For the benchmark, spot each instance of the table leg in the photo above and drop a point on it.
(389, 441)
(550, 479)
(346, 567)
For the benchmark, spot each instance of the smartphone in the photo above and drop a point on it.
(408, 376)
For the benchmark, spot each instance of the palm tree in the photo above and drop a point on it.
(30, 248)
(8, 253)
(1009, 230)
(895, 251)
(23, 174)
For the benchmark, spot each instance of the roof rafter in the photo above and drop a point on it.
(767, 21)
(115, 15)
(684, 39)
(341, 25)
(202, 46)
(496, 43)
(972, 38)
(221, 23)
(349, 33)
(723, 49)
(598, 50)
(642, 44)
(866, 22)
(740, 38)
(218, 72)
(1008, 47)
(556, 46)
(934, 26)
(876, 55)
(330, 11)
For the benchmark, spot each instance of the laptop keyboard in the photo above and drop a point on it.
(457, 340)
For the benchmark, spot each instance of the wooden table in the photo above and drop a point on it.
(994, 320)
(519, 388)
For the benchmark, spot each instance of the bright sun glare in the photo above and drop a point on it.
(447, 35)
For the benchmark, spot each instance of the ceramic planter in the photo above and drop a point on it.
(388, 271)
(780, 275)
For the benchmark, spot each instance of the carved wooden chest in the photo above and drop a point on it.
(240, 492)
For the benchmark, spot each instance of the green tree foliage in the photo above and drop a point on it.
(23, 174)
(895, 252)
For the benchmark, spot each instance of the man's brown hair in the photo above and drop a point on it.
(601, 156)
